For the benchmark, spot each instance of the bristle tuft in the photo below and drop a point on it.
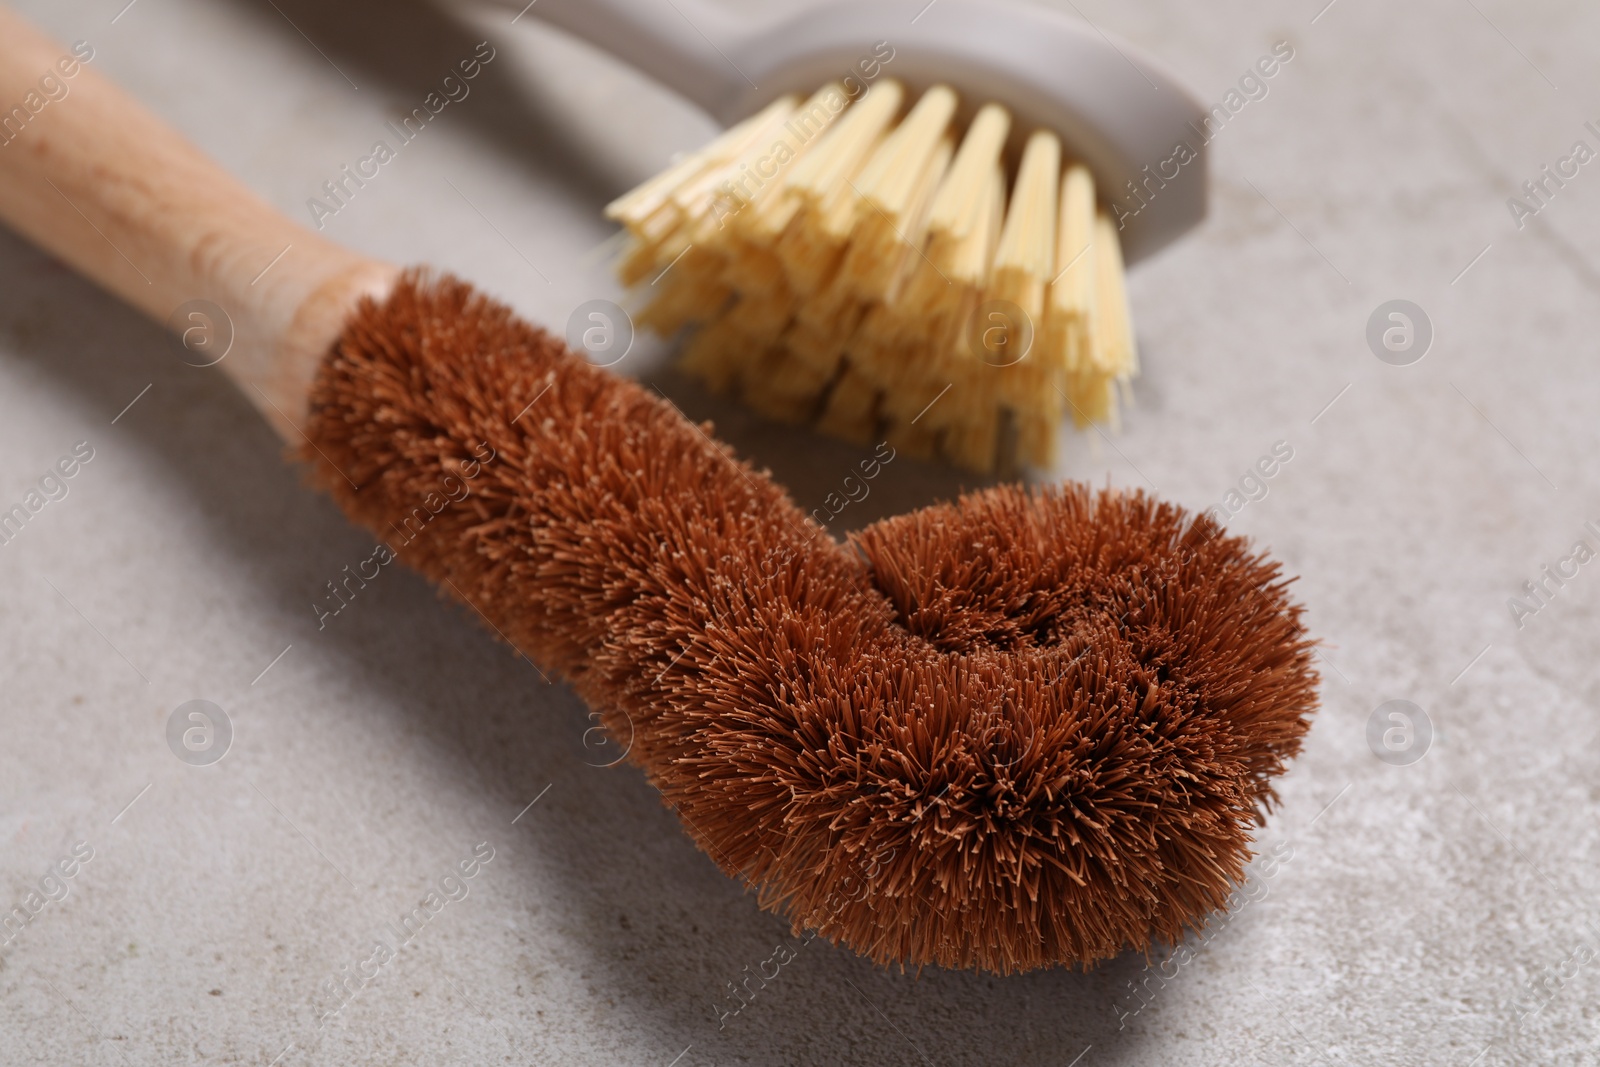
(843, 234)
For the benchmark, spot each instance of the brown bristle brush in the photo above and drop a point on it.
(1024, 729)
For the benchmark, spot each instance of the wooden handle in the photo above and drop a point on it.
(92, 177)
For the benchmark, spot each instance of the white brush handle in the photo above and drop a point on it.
(1117, 110)
(683, 44)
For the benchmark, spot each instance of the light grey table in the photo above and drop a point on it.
(1439, 912)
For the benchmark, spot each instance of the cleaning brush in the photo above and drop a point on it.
(880, 263)
(1026, 728)
(881, 268)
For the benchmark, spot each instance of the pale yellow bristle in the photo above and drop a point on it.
(1119, 353)
(1033, 363)
(886, 237)
(892, 176)
(868, 268)
(1023, 262)
(645, 199)
(849, 143)
(822, 188)
(962, 202)
(1072, 289)
(754, 179)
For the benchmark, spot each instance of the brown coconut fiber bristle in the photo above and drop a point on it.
(1027, 728)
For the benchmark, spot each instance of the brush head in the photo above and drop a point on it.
(1023, 729)
(875, 265)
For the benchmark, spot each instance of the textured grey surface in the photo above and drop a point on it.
(1424, 911)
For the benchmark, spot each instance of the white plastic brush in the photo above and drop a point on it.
(879, 258)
